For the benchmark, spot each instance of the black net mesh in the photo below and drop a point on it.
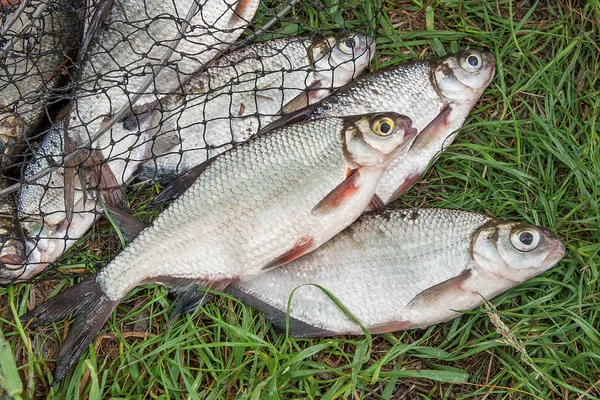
(101, 100)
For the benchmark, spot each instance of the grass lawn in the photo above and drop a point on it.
(530, 151)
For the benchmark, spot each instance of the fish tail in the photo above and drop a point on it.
(90, 307)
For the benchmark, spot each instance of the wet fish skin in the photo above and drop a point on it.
(420, 90)
(246, 89)
(41, 205)
(255, 207)
(37, 48)
(137, 36)
(402, 269)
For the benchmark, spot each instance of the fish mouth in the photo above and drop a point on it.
(555, 255)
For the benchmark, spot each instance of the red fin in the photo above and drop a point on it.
(431, 133)
(302, 100)
(338, 195)
(301, 247)
(240, 11)
(390, 327)
(436, 293)
(376, 203)
(404, 187)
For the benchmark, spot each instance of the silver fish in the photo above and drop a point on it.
(402, 269)
(244, 90)
(36, 41)
(436, 94)
(41, 206)
(137, 36)
(255, 207)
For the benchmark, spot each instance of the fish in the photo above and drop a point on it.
(36, 41)
(41, 206)
(255, 207)
(230, 100)
(136, 39)
(401, 269)
(437, 94)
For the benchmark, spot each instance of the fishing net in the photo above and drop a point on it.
(102, 101)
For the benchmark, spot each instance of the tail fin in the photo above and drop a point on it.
(91, 309)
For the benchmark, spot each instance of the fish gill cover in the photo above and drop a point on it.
(101, 100)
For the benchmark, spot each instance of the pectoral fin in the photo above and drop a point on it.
(302, 246)
(408, 182)
(435, 132)
(105, 180)
(338, 196)
(436, 294)
(292, 118)
(376, 203)
(302, 100)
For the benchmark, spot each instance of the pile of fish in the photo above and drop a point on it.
(272, 151)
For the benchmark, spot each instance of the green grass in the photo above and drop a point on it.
(530, 152)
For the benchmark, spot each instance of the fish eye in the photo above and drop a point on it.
(382, 126)
(525, 239)
(347, 44)
(471, 62)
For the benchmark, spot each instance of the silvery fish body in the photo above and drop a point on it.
(37, 44)
(402, 269)
(254, 208)
(243, 90)
(41, 204)
(437, 94)
(136, 37)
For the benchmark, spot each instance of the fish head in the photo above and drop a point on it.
(463, 76)
(375, 139)
(516, 251)
(341, 58)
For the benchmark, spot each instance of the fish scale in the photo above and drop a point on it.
(380, 264)
(316, 177)
(295, 167)
(244, 90)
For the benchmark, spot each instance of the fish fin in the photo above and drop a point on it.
(188, 299)
(302, 100)
(393, 326)
(90, 307)
(239, 11)
(408, 182)
(190, 292)
(433, 130)
(436, 293)
(291, 118)
(338, 195)
(376, 203)
(302, 246)
(277, 317)
(129, 225)
(105, 180)
(181, 184)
